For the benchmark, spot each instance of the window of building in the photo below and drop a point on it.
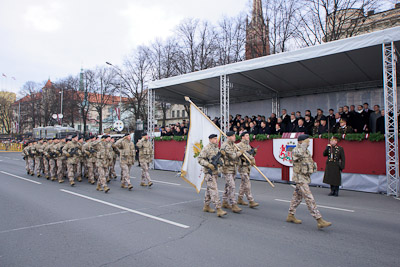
(79, 127)
(173, 114)
(183, 113)
(177, 113)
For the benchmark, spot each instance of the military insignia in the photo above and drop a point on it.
(283, 148)
(197, 147)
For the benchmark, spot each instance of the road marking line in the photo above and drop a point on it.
(127, 209)
(293, 186)
(22, 178)
(178, 203)
(319, 206)
(162, 182)
(61, 222)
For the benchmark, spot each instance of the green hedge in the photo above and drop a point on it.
(374, 137)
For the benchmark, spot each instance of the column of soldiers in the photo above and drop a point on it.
(93, 158)
(228, 159)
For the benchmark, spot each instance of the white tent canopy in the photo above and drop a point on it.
(352, 63)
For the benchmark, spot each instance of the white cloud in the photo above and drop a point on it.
(44, 18)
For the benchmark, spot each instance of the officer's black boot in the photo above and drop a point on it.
(336, 191)
(332, 191)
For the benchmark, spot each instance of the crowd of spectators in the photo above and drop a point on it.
(351, 119)
(360, 119)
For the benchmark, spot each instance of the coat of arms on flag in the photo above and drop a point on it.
(282, 149)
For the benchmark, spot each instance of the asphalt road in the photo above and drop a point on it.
(43, 223)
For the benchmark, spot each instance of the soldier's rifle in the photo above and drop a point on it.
(74, 151)
(215, 161)
(246, 157)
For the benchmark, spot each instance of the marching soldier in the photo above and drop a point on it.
(145, 158)
(52, 159)
(244, 170)
(334, 166)
(90, 153)
(72, 151)
(37, 151)
(114, 153)
(102, 162)
(205, 159)
(231, 160)
(126, 158)
(26, 154)
(46, 158)
(60, 160)
(303, 167)
(81, 159)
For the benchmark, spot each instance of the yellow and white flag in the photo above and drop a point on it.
(200, 129)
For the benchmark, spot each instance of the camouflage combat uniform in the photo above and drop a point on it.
(26, 156)
(114, 154)
(46, 160)
(231, 160)
(303, 167)
(145, 158)
(60, 161)
(102, 161)
(90, 153)
(38, 152)
(52, 161)
(72, 151)
(244, 168)
(204, 159)
(126, 158)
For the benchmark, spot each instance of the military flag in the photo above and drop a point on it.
(200, 128)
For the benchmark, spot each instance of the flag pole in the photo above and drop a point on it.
(247, 158)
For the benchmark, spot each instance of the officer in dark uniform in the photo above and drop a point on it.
(334, 166)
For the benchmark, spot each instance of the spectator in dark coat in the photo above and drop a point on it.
(320, 115)
(291, 128)
(278, 129)
(264, 129)
(285, 119)
(308, 113)
(331, 118)
(300, 128)
(273, 121)
(349, 116)
(373, 118)
(308, 124)
(323, 127)
(380, 123)
(178, 132)
(253, 129)
(367, 112)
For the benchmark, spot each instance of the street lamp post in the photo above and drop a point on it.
(62, 96)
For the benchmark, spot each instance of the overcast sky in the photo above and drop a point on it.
(44, 39)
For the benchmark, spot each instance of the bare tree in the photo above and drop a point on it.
(86, 88)
(231, 40)
(6, 111)
(282, 20)
(197, 43)
(103, 91)
(30, 105)
(69, 87)
(133, 81)
(328, 20)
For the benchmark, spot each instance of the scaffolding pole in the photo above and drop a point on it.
(224, 104)
(151, 96)
(275, 105)
(391, 121)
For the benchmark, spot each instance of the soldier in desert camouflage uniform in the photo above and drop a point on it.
(244, 170)
(126, 158)
(90, 154)
(72, 151)
(145, 158)
(114, 154)
(38, 152)
(102, 161)
(303, 167)
(210, 176)
(60, 159)
(231, 160)
(52, 159)
(46, 167)
(26, 154)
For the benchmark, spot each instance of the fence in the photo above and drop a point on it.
(14, 147)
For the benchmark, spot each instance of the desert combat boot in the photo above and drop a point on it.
(291, 218)
(321, 223)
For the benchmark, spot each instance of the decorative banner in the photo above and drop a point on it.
(282, 150)
(200, 129)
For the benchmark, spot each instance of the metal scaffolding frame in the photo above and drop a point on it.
(151, 103)
(224, 103)
(391, 120)
(275, 105)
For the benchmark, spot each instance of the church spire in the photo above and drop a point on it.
(257, 33)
